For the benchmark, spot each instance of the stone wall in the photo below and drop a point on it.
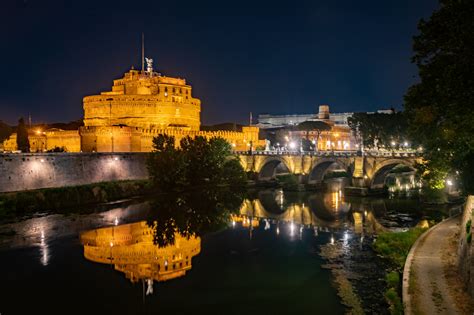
(465, 249)
(46, 170)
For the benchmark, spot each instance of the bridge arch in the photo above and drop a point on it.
(381, 171)
(273, 167)
(322, 167)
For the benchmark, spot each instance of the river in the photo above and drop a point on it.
(266, 251)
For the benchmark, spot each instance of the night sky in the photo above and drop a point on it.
(265, 57)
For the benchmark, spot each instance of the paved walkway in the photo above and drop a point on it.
(429, 291)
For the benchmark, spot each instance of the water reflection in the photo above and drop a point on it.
(131, 248)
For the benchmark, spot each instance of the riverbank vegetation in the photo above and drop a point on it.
(395, 246)
(196, 162)
(17, 204)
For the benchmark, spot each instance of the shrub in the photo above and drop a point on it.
(396, 307)
(393, 279)
(468, 226)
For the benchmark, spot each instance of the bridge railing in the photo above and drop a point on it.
(348, 153)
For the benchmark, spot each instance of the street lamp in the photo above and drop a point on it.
(449, 183)
(292, 145)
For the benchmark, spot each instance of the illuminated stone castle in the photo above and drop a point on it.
(130, 248)
(140, 106)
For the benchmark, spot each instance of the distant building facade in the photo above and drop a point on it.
(266, 121)
(339, 137)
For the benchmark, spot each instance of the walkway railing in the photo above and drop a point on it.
(348, 153)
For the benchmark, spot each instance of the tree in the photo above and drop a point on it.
(22, 141)
(197, 162)
(380, 130)
(166, 164)
(317, 126)
(441, 105)
(5, 131)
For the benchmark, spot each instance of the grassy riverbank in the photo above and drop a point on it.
(395, 246)
(21, 203)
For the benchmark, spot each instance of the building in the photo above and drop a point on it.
(339, 137)
(131, 249)
(140, 106)
(266, 121)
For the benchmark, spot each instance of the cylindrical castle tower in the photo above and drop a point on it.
(323, 112)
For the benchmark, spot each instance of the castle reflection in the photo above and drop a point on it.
(132, 249)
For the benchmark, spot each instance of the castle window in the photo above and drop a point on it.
(166, 89)
(180, 90)
(174, 90)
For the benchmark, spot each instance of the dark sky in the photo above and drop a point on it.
(239, 56)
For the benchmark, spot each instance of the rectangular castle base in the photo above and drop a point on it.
(356, 191)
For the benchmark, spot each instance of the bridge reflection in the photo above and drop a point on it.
(329, 211)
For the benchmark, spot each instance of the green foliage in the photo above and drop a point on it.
(434, 195)
(22, 137)
(468, 226)
(197, 162)
(391, 295)
(393, 299)
(395, 245)
(440, 105)
(380, 130)
(469, 237)
(433, 173)
(393, 279)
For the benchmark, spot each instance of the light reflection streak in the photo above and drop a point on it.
(44, 249)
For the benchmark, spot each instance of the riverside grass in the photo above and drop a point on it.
(395, 246)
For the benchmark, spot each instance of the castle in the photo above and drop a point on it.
(140, 106)
(131, 249)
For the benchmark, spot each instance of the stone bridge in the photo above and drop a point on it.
(366, 170)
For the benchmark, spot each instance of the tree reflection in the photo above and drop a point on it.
(193, 213)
